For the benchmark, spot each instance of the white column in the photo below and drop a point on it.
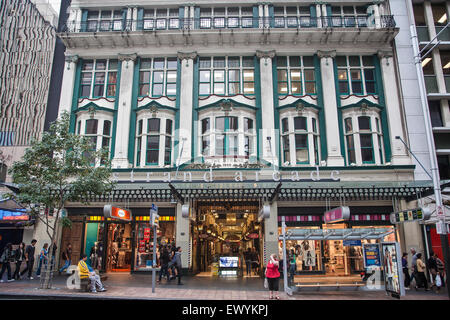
(330, 106)
(186, 97)
(270, 153)
(134, 18)
(266, 16)
(73, 22)
(182, 236)
(120, 159)
(399, 155)
(68, 84)
(376, 13)
(319, 15)
(261, 16)
(271, 233)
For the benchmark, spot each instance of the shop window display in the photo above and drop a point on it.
(94, 244)
(119, 247)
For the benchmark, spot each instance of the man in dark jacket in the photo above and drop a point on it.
(178, 265)
(164, 259)
(29, 258)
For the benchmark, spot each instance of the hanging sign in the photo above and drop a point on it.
(352, 243)
(441, 227)
(371, 254)
(337, 215)
(116, 213)
(9, 215)
(410, 215)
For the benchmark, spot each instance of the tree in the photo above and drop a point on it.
(61, 167)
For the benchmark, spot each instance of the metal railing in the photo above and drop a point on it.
(155, 24)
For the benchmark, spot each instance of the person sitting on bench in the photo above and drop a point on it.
(86, 272)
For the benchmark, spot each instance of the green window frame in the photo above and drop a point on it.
(99, 78)
(356, 75)
(296, 75)
(168, 143)
(226, 76)
(152, 147)
(139, 142)
(158, 77)
(315, 141)
(367, 149)
(301, 139)
(350, 141)
(228, 135)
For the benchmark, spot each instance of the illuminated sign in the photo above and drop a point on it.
(116, 213)
(19, 215)
(410, 215)
(337, 214)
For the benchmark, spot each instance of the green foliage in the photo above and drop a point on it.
(58, 168)
(66, 222)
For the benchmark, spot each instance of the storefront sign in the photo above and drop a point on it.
(393, 273)
(8, 215)
(410, 215)
(337, 215)
(116, 213)
(352, 243)
(371, 254)
(147, 234)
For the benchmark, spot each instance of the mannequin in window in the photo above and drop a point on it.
(94, 256)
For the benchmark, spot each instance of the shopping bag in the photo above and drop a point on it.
(438, 280)
(266, 283)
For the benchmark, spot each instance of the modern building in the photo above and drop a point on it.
(429, 18)
(234, 117)
(27, 56)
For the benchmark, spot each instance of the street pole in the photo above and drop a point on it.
(154, 260)
(285, 277)
(430, 141)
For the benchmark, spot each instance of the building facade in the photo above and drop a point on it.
(27, 40)
(233, 117)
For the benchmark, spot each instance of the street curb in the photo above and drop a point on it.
(71, 297)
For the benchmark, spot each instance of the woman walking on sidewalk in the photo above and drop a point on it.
(273, 276)
(421, 273)
(5, 259)
(20, 256)
(43, 257)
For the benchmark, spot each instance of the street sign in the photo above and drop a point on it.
(116, 213)
(337, 214)
(372, 257)
(410, 215)
(441, 227)
(154, 217)
(440, 212)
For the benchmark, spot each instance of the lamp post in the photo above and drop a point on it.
(430, 140)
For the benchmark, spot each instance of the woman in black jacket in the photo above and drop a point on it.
(20, 256)
(5, 259)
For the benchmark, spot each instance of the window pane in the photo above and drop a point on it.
(233, 75)
(282, 61)
(168, 126)
(171, 63)
(219, 75)
(366, 140)
(296, 87)
(354, 61)
(295, 75)
(308, 61)
(233, 123)
(233, 88)
(140, 127)
(284, 125)
(342, 74)
(146, 64)
(112, 77)
(158, 77)
(219, 62)
(171, 89)
(348, 125)
(364, 123)
(249, 88)
(205, 76)
(205, 125)
(282, 88)
(309, 75)
(98, 90)
(294, 61)
(369, 74)
(107, 128)
(157, 89)
(247, 62)
(219, 144)
(282, 75)
(86, 78)
(367, 61)
(205, 63)
(233, 62)
(105, 143)
(355, 74)
(302, 155)
(153, 125)
(300, 123)
(100, 65)
(367, 155)
(301, 141)
(248, 124)
(219, 88)
(91, 126)
(220, 123)
(144, 76)
(171, 76)
(249, 75)
(356, 87)
(144, 90)
(204, 88)
(205, 145)
(310, 87)
(158, 64)
(370, 87)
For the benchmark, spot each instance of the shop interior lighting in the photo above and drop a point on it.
(447, 66)
(425, 62)
(443, 18)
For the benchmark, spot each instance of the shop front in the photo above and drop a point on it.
(334, 257)
(113, 245)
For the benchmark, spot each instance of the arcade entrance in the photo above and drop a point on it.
(227, 240)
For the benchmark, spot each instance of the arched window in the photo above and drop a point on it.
(363, 138)
(300, 138)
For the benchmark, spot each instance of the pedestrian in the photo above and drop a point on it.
(43, 258)
(86, 272)
(405, 270)
(414, 275)
(164, 259)
(20, 257)
(255, 261)
(6, 257)
(67, 257)
(178, 265)
(441, 270)
(248, 261)
(29, 258)
(292, 265)
(422, 280)
(432, 265)
(273, 276)
(54, 248)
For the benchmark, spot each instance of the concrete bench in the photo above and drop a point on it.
(84, 283)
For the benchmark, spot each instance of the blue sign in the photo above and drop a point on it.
(371, 254)
(8, 215)
(352, 243)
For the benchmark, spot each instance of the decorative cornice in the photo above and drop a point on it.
(187, 55)
(326, 54)
(265, 54)
(127, 57)
(385, 54)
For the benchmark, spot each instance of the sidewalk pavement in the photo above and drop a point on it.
(139, 287)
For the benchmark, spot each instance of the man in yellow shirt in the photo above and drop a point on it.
(85, 271)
